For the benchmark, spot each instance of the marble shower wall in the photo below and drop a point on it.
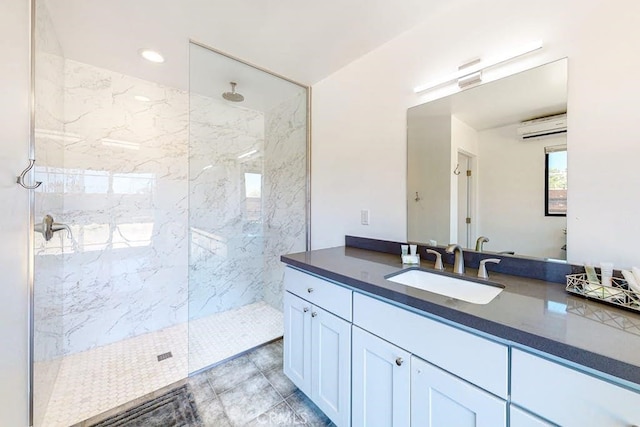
(284, 191)
(140, 205)
(125, 198)
(225, 225)
(247, 201)
(48, 260)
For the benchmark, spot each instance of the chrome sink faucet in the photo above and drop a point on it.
(458, 263)
(480, 242)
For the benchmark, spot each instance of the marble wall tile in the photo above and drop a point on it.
(156, 194)
(225, 227)
(285, 195)
(236, 241)
(126, 199)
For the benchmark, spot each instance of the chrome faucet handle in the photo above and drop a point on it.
(438, 264)
(482, 270)
(56, 226)
(47, 227)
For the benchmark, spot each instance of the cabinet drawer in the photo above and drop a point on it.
(569, 397)
(477, 360)
(520, 418)
(333, 298)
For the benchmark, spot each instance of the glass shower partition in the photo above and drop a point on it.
(247, 202)
(179, 203)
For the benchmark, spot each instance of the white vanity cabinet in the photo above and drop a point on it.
(439, 398)
(366, 362)
(520, 418)
(317, 344)
(569, 397)
(480, 361)
(449, 388)
(381, 383)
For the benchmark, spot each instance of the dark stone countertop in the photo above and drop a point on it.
(532, 313)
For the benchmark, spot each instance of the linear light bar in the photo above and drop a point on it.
(478, 66)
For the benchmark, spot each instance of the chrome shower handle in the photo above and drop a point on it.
(20, 179)
(47, 227)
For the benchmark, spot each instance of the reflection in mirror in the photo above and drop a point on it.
(474, 169)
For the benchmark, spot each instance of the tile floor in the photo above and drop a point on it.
(252, 390)
(92, 382)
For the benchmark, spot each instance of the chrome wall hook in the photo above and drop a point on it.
(456, 171)
(20, 179)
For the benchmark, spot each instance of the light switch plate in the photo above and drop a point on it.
(364, 216)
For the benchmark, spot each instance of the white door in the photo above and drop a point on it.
(520, 418)
(297, 341)
(464, 201)
(440, 399)
(381, 382)
(331, 361)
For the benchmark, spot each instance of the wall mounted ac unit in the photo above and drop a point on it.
(543, 127)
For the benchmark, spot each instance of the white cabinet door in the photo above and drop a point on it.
(439, 399)
(381, 382)
(297, 341)
(331, 365)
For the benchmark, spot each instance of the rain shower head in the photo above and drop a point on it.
(233, 96)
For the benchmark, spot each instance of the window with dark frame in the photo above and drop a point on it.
(555, 179)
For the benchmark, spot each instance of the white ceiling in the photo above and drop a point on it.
(303, 40)
(211, 74)
(534, 93)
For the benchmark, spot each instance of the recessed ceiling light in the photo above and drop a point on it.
(151, 55)
(141, 98)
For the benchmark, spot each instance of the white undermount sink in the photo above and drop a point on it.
(465, 290)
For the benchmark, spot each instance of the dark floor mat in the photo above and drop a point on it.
(173, 409)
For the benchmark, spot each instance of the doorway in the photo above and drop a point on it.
(465, 200)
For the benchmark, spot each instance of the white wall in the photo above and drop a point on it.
(359, 116)
(14, 138)
(429, 152)
(464, 139)
(511, 195)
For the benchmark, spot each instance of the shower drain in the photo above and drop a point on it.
(163, 356)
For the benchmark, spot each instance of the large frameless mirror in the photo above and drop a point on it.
(487, 167)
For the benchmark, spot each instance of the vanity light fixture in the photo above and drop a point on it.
(471, 72)
(151, 55)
